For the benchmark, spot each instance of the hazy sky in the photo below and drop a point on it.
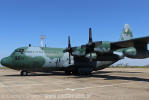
(23, 21)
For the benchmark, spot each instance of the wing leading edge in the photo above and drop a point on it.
(136, 42)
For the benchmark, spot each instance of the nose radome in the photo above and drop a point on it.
(4, 61)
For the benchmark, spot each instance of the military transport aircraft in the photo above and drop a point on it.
(82, 59)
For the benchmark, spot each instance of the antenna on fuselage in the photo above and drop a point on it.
(42, 37)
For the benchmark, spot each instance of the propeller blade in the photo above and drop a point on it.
(90, 36)
(69, 59)
(69, 44)
(90, 43)
(69, 49)
(90, 57)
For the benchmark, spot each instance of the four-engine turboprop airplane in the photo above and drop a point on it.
(83, 59)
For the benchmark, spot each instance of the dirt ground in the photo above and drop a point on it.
(107, 84)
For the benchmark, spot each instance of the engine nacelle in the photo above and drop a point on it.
(136, 53)
(109, 57)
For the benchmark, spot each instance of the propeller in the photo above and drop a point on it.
(90, 45)
(69, 50)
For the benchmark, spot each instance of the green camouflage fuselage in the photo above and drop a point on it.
(89, 57)
(53, 59)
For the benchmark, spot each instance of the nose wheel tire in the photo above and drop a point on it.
(24, 73)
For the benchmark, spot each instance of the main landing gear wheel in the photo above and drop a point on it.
(67, 72)
(76, 72)
(24, 73)
(85, 73)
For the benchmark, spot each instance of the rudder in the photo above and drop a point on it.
(126, 33)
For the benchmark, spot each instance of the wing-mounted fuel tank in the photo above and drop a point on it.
(138, 52)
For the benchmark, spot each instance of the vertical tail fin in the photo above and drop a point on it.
(126, 33)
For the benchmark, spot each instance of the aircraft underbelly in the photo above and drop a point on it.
(103, 64)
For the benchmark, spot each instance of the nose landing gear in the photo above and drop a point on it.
(24, 73)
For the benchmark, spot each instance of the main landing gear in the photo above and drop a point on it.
(69, 72)
(24, 73)
(78, 72)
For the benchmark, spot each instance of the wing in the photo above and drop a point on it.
(136, 42)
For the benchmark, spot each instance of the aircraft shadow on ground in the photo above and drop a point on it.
(99, 74)
(111, 77)
(102, 74)
(39, 74)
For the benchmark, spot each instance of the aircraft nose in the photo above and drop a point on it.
(4, 61)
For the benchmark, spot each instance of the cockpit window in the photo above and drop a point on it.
(19, 50)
